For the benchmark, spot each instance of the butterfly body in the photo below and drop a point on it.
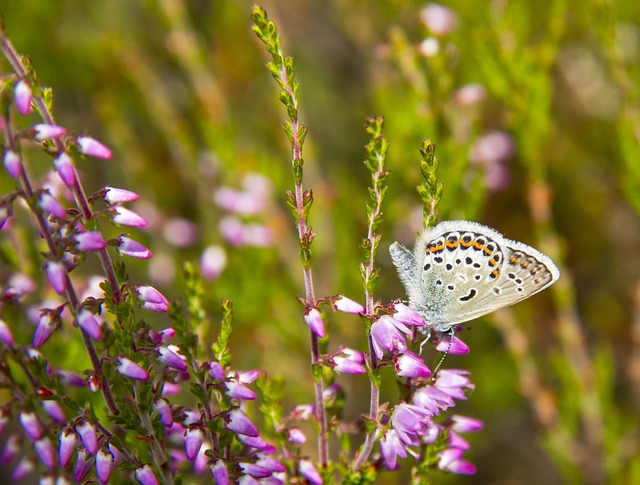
(462, 270)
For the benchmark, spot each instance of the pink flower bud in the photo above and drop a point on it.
(93, 383)
(22, 469)
(119, 196)
(104, 462)
(452, 345)
(145, 475)
(129, 247)
(11, 448)
(132, 370)
(247, 376)
(57, 276)
(46, 453)
(346, 305)
(50, 204)
(192, 442)
(169, 355)
(219, 472)
(295, 435)
(438, 19)
(53, 409)
(23, 96)
(66, 447)
(348, 361)
(463, 424)
(5, 333)
(313, 318)
(12, 164)
(239, 391)
(215, 371)
(83, 465)
(162, 407)
(66, 170)
(47, 132)
(212, 262)
(93, 148)
(31, 425)
(167, 334)
(88, 437)
(407, 315)
(126, 217)
(410, 365)
(152, 299)
(90, 241)
(87, 322)
(309, 471)
(239, 422)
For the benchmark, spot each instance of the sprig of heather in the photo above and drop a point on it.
(431, 190)
(299, 201)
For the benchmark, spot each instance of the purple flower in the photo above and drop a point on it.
(132, 370)
(212, 262)
(114, 195)
(407, 315)
(239, 422)
(46, 132)
(219, 472)
(232, 231)
(295, 435)
(57, 276)
(450, 461)
(410, 422)
(31, 425)
(11, 448)
(89, 241)
(432, 399)
(82, 467)
(5, 333)
(145, 475)
(457, 441)
(53, 409)
(254, 470)
(309, 471)
(453, 382)
(215, 371)
(152, 299)
(87, 322)
(410, 365)
(167, 334)
(46, 453)
(50, 204)
(438, 19)
(22, 469)
(463, 424)
(126, 217)
(390, 448)
(247, 376)
(452, 345)
(168, 354)
(93, 148)
(346, 305)
(104, 462)
(192, 442)
(235, 390)
(88, 437)
(256, 442)
(162, 407)
(66, 170)
(313, 318)
(129, 247)
(23, 96)
(12, 164)
(348, 361)
(66, 447)
(387, 337)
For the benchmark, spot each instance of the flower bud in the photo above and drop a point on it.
(31, 425)
(104, 462)
(87, 322)
(114, 195)
(57, 276)
(346, 305)
(12, 164)
(219, 472)
(5, 333)
(89, 241)
(66, 447)
(145, 475)
(192, 442)
(169, 355)
(93, 148)
(83, 465)
(47, 132)
(129, 247)
(309, 471)
(46, 453)
(132, 370)
(313, 318)
(126, 217)
(66, 170)
(88, 437)
(50, 204)
(239, 422)
(23, 95)
(152, 299)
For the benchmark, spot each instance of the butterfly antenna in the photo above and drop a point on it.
(451, 334)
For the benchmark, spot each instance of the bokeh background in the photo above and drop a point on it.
(534, 111)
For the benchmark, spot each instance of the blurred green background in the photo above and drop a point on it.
(179, 91)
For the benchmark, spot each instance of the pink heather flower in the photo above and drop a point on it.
(219, 472)
(239, 422)
(212, 262)
(5, 333)
(126, 217)
(215, 371)
(50, 204)
(457, 441)
(31, 425)
(271, 464)
(12, 164)
(235, 390)
(255, 442)
(47, 132)
(132, 370)
(57, 276)
(495, 146)
(407, 315)
(453, 382)
(452, 345)
(22, 469)
(192, 442)
(87, 322)
(104, 462)
(232, 231)
(313, 318)
(162, 407)
(129, 247)
(450, 461)
(470, 95)
(390, 448)
(69, 378)
(295, 435)
(410, 422)
(346, 305)
(167, 334)
(247, 376)
(348, 361)
(180, 232)
(410, 365)
(83, 465)
(309, 471)
(23, 96)
(152, 299)
(463, 424)
(66, 170)
(496, 176)
(66, 447)
(46, 452)
(93, 148)
(432, 399)
(119, 196)
(88, 437)
(145, 475)
(258, 235)
(387, 337)
(438, 19)
(53, 409)
(11, 448)
(89, 241)
(170, 389)
(93, 383)
(191, 417)
(254, 470)
(168, 354)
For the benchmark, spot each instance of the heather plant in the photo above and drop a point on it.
(245, 351)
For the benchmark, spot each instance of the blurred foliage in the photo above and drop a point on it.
(179, 91)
